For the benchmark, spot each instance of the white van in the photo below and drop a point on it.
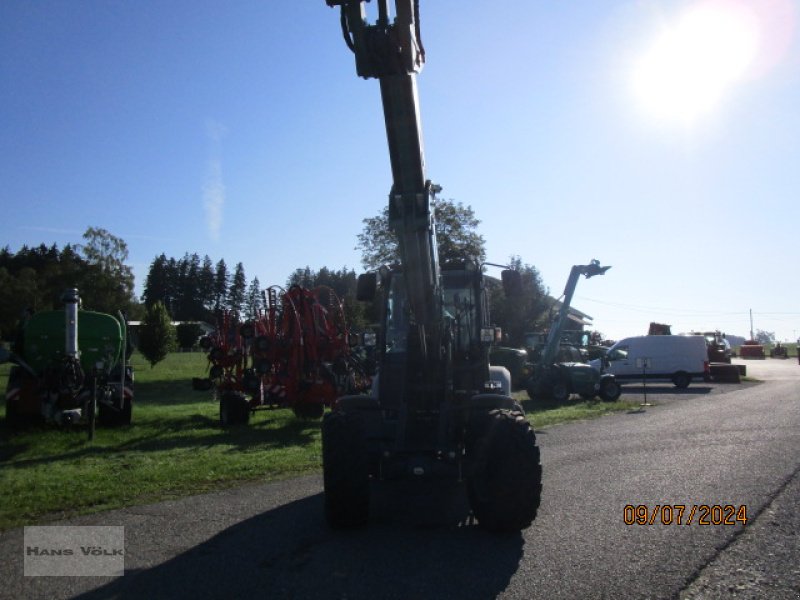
(676, 357)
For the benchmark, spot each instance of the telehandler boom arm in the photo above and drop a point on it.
(554, 337)
(392, 52)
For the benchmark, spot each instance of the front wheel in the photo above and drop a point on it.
(345, 470)
(504, 483)
(610, 390)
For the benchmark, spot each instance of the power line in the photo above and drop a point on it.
(685, 311)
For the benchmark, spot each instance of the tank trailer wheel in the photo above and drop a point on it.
(610, 390)
(309, 411)
(111, 417)
(233, 409)
(504, 482)
(13, 420)
(345, 469)
(559, 392)
(92, 409)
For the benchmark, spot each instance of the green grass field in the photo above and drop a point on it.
(175, 447)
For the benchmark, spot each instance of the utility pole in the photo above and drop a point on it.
(752, 337)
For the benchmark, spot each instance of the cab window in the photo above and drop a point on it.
(618, 353)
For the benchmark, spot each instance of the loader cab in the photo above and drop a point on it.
(464, 309)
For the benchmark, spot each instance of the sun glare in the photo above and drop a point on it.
(693, 62)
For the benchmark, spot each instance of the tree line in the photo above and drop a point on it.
(192, 288)
(34, 278)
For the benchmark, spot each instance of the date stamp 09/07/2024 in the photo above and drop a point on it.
(685, 514)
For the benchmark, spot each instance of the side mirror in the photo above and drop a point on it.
(366, 287)
(512, 283)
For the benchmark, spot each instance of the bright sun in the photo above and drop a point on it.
(692, 63)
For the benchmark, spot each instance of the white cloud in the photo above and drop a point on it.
(214, 198)
(215, 130)
(214, 188)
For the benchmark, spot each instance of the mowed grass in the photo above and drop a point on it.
(175, 447)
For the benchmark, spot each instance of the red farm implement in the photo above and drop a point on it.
(295, 354)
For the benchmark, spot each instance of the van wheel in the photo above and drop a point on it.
(681, 379)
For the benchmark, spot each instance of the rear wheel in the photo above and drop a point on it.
(505, 474)
(345, 468)
(681, 379)
(610, 390)
(233, 409)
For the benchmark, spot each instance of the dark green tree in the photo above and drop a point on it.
(221, 282)
(238, 290)
(206, 287)
(253, 302)
(187, 335)
(108, 287)
(456, 234)
(156, 334)
(189, 306)
(526, 312)
(157, 286)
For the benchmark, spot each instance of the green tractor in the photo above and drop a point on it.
(70, 367)
(557, 381)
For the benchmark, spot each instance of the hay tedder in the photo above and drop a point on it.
(70, 367)
(296, 354)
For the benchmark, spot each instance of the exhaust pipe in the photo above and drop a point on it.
(71, 302)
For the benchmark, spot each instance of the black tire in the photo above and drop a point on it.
(309, 411)
(681, 379)
(92, 409)
(13, 420)
(504, 483)
(559, 392)
(345, 468)
(233, 409)
(111, 417)
(610, 390)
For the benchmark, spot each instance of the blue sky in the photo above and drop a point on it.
(660, 137)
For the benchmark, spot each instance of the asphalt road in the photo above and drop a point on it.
(708, 445)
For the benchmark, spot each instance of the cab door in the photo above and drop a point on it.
(620, 362)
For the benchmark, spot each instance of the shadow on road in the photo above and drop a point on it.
(692, 390)
(407, 551)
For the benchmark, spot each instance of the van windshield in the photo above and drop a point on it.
(618, 353)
